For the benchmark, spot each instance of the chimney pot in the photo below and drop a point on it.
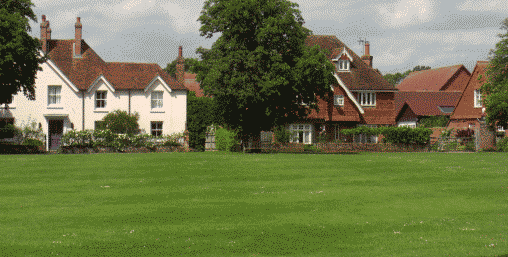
(180, 51)
(367, 48)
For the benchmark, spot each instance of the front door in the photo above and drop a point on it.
(55, 133)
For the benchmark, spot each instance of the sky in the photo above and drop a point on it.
(401, 33)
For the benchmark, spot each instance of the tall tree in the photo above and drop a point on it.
(19, 52)
(171, 67)
(396, 78)
(259, 69)
(495, 89)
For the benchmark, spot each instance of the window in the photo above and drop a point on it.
(477, 98)
(500, 128)
(408, 125)
(54, 95)
(156, 128)
(157, 99)
(338, 100)
(100, 99)
(342, 65)
(367, 98)
(302, 133)
(100, 124)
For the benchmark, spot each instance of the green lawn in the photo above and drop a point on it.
(217, 204)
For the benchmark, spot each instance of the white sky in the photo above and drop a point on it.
(402, 33)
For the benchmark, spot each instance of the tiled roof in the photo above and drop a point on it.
(430, 80)
(85, 70)
(192, 85)
(361, 76)
(426, 103)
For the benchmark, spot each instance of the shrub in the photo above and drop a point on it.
(465, 133)
(434, 121)
(33, 142)
(446, 133)
(282, 134)
(10, 131)
(470, 146)
(120, 122)
(502, 145)
(225, 140)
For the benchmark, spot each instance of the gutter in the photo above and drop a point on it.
(83, 108)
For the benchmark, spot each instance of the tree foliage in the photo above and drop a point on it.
(495, 88)
(121, 122)
(260, 65)
(19, 52)
(396, 78)
(171, 67)
(200, 115)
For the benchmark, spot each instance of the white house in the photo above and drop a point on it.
(76, 89)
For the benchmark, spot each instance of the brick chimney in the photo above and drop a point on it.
(44, 33)
(367, 58)
(180, 67)
(48, 35)
(77, 40)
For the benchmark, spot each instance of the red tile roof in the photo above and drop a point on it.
(83, 71)
(361, 76)
(425, 103)
(430, 80)
(192, 85)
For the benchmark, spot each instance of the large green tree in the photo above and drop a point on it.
(260, 70)
(495, 89)
(396, 78)
(171, 67)
(19, 52)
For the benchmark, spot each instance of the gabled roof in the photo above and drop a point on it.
(83, 71)
(361, 76)
(465, 107)
(431, 80)
(426, 103)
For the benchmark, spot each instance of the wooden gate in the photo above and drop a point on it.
(210, 142)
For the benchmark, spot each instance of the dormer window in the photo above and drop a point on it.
(343, 65)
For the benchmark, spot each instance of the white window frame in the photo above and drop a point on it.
(305, 130)
(153, 131)
(343, 65)
(477, 98)
(366, 98)
(338, 100)
(102, 98)
(55, 96)
(157, 100)
(407, 125)
(500, 129)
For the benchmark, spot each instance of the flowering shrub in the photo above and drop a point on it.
(106, 138)
(77, 138)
